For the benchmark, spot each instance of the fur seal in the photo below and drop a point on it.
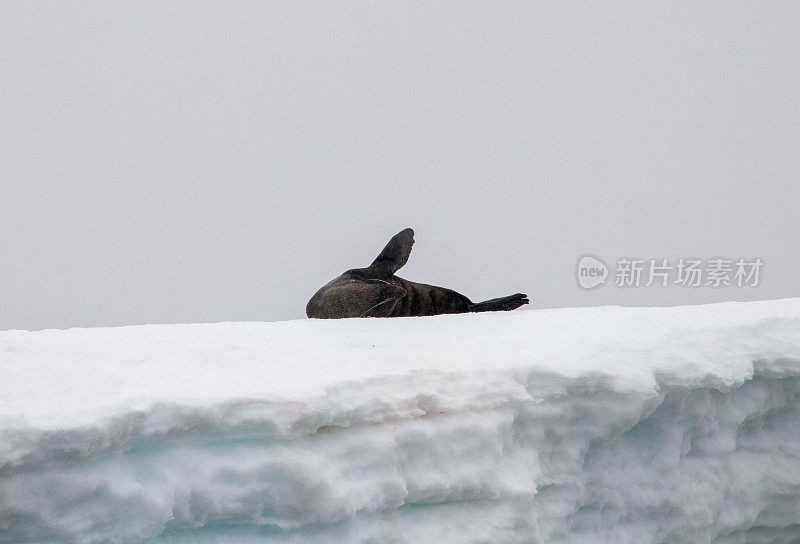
(375, 291)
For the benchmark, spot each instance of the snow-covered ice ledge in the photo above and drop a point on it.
(605, 424)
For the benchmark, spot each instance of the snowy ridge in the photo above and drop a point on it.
(598, 424)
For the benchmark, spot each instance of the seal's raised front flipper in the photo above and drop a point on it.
(511, 302)
(393, 256)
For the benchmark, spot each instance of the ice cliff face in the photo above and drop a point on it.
(617, 425)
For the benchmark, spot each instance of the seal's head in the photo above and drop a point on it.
(354, 295)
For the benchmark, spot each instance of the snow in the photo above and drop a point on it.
(613, 425)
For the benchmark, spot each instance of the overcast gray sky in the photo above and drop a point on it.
(184, 162)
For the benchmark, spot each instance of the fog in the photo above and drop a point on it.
(204, 162)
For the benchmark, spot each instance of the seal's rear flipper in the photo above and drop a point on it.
(511, 302)
(393, 256)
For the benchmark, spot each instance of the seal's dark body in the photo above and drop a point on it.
(376, 292)
(422, 299)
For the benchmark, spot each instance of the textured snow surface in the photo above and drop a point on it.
(612, 425)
